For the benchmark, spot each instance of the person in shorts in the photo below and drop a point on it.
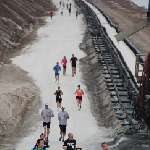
(73, 64)
(46, 114)
(70, 143)
(79, 92)
(62, 117)
(58, 94)
(64, 63)
(57, 69)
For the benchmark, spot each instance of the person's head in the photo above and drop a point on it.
(78, 86)
(64, 57)
(40, 143)
(72, 55)
(57, 63)
(42, 136)
(58, 87)
(46, 105)
(62, 108)
(104, 146)
(70, 136)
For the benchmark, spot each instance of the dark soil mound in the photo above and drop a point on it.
(17, 17)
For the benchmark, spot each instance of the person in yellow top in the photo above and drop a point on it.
(79, 92)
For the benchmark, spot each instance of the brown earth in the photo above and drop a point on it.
(125, 14)
(18, 19)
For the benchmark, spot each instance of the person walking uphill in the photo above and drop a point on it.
(51, 14)
(62, 117)
(58, 94)
(70, 143)
(73, 64)
(79, 92)
(57, 69)
(64, 63)
(47, 113)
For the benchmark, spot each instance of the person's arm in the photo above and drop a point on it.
(75, 92)
(82, 92)
(67, 116)
(59, 117)
(61, 93)
(42, 114)
(70, 60)
(55, 93)
(59, 68)
(75, 145)
(54, 68)
(65, 145)
(76, 59)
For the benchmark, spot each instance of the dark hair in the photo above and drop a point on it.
(78, 85)
(42, 134)
(38, 142)
(104, 143)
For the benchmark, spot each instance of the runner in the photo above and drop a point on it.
(67, 5)
(69, 10)
(51, 14)
(104, 146)
(79, 92)
(64, 62)
(76, 14)
(61, 11)
(39, 145)
(62, 117)
(73, 64)
(60, 3)
(70, 143)
(57, 69)
(47, 113)
(58, 94)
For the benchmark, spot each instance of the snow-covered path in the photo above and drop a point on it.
(60, 37)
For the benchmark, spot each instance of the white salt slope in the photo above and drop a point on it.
(60, 36)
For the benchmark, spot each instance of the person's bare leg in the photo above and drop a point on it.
(57, 105)
(72, 71)
(48, 131)
(65, 71)
(78, 103)
(58, 78)
(45, 131)
(64, 135)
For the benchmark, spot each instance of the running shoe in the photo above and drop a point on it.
(60, 138)
(74, 72)
(47, 139)
(80, 107)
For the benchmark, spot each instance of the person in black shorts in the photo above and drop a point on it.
(70, 143)
(73, 64)
(58, 94)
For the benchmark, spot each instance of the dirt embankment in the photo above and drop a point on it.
(17, 94)
(125, 14)
(18, 19)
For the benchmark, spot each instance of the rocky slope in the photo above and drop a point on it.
(17, 19)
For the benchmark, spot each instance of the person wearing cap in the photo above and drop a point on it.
(58, 94)
(46, 114)
(57, 69)
(70, 143)
(79, 92)
(62, 117)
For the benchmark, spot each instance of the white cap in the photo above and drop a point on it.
(46, 104)
(62, 107)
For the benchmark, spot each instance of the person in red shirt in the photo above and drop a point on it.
(79, 92)
(51, 14)
(64, 63)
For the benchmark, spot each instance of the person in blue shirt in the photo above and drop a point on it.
(57, 69)
(39, 145)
